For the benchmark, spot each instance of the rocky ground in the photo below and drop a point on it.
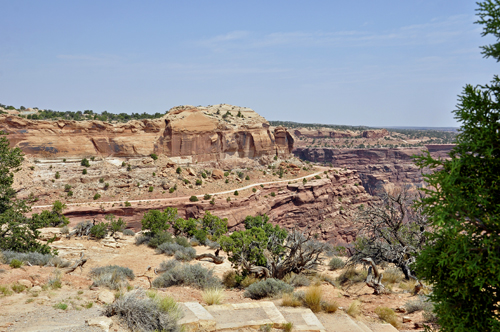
(38, 304)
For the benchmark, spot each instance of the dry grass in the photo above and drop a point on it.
(329, 307)
(408, 285)
(287, 327)
(352, 275)
(213, 296)
(18, 288)
(354, 309)
(5, 290)
(248, 281)
(288, 300)
(312, 298)
(392, 275)
(388, 315)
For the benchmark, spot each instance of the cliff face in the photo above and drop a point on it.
(379, 169)
(187, 133)
(331, 133)
(323, 206)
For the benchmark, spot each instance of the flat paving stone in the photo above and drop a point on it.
(196, 317)
(338, 322)
(303, 319)
(239, 315)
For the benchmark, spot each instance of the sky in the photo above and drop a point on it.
(364, 62)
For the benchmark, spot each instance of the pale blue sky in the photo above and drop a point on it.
(365, 62)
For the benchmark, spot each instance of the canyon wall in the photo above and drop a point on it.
(186, 133)
(324, 206)
(379, 169)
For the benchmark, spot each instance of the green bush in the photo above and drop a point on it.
(317, 177)
(85, 162)
(204, 175)
(15, 264)
(207, 196)
(34, 258)
(247, 178)
(128, 232)
(236, 193)
(178, 170)
(106, 185)
(67, 187)
(199, 182)
(227, 181)
(254, 189)
(159, 239)
(171, 190)
(151, 189)
(84, 171)
(57, 176)
(115, 225)
(127, 204)
(155, 221)
(193, 198)
(181, 240)
(142, 311)
(154, 156)
(97, 196)
(101, 180)
(226, 174)
(99, 230)
(336, 263)
(187, 275)
(267, 288)
(186, 181)
(70, 193)
(273, 194)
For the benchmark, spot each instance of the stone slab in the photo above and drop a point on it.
(338, 322)
(382, 327)
(303, 319)
(196, 317)
(239, 315)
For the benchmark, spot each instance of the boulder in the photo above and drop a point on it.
(25, 282)
(190, 171)
(217, 174)
(106, 296)
(36, 289)
(103, 322)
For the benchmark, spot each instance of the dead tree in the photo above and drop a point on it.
(78, 263)
(374, 278)
(216, 259)
(391, 230)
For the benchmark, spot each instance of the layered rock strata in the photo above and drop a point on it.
(323, 206)
(187, 133)
(379, 169)
(332, 133)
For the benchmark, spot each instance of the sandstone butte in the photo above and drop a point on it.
(185, 134)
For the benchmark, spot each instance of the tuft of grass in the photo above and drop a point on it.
(60, 305)
(5, 290)
(29, 300)
(388, 315)
(88, 305)
(287, 327)
(266, 328)
(289, 300)
(392, 275)
(329, 306)
(354, 309)
(18, 288)
(248, 280)
(128, 232)
(213, 296)
(229, 279)
(312, 298)
(352, 275)
(54, 281)
(408, 285)
(297, 280)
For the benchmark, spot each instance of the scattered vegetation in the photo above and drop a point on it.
(336, 263)
(213, 296)
(112, 276)
(267, 288)
(185, 274)
(388, 315)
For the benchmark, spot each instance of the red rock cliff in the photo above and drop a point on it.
(188, 133)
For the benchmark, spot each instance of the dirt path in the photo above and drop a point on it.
(187, 197)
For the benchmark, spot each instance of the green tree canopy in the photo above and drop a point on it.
(462, 261)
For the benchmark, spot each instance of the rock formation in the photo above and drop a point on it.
(324, 206)
(186, 133)
(379, 169)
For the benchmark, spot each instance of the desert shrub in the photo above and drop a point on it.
(247, 280)
(70, 193)
(236, 193)
(335, 264)
(213, 296)
(154, 156)
(247, 178)
(354, 308)
(170, 249)
(5, 290)
(188, 275)
(204, 175)
(34, 258)
(329, 306)
(85, 162)
(101, 180)
(207, 196)
(352, 275)
(181, 240)
(297, 280)
(99, 230)
(17, 288)
(112, 276)
(388, 315)
(151, 188)
(193, 198)
(67, 187)
(228, 199)
(212, 244)
(61, 306)
(267, 288)
(127, 204)
(199, 182)
(83, 228)
(15, 264)
(65, 230)
(128, 232)
(142, 311)
(194, 242)
(115, 225)
(273, 194)
(254, 189)
(54, 281)
(185, 254)
(312, 298)
(229, 279)
(97, 196)
(422, 302)
(158, 239)
(106, 185)
(392, 275)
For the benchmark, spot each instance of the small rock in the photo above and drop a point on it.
(36, 289)
(103, 322)
(25, 282)
(401, 309)
(190, 171)
(406, 319)
(217, 174)
(106, 296)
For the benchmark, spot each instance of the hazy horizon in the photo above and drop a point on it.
(390, 64)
